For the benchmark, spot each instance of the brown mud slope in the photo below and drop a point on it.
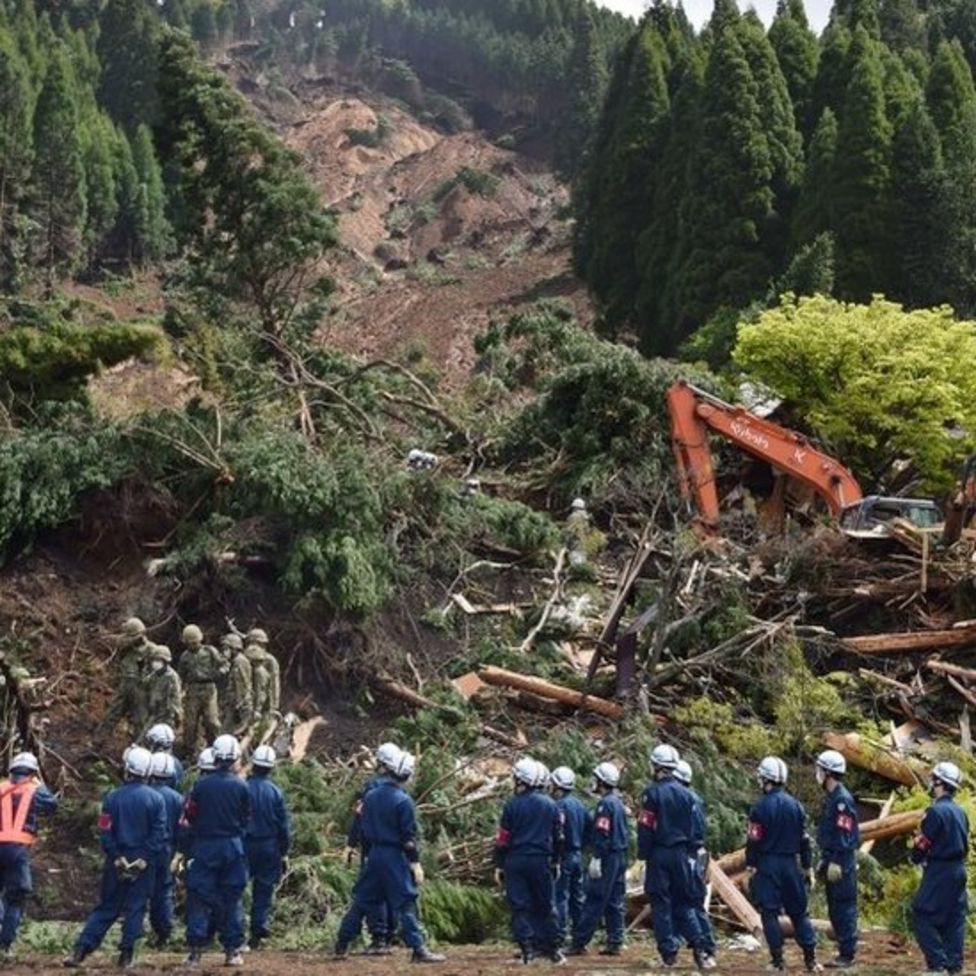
(429, 259)
(883, 954)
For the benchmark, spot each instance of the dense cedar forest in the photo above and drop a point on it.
(723, 156)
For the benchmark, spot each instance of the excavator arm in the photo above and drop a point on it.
(695, 413)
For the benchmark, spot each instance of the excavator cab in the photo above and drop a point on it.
(869, 517)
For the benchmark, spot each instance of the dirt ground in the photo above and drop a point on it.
(881, 954)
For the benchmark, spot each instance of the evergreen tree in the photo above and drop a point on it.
(797, 53)
(15, 154)
(152, 228)
(862, 173)
(903, 25)
(814, 212)
(586, 82)
(102, 205)
(129, 200)
(833, 70)
(902, 89)
(952, 102)
(127, 53)
(204, 25)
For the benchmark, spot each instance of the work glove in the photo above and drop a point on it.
(556, 871)
(499, 877)
(595, 870)
(835, 873)
(811, 879)
(348, 855)
(129, 870)
(176, 865)
(417, 873)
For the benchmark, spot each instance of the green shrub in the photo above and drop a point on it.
(371, 138)
(478, 181)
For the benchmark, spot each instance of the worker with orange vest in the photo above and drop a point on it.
(22, 797)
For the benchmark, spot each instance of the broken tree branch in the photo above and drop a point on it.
(557, 591)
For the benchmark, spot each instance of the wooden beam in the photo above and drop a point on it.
(546, 689)
(911, 641)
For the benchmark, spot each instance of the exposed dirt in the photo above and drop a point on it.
(881, 954)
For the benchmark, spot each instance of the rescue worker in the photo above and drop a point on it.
(163, 691)
(206, 763)
(237, 704)
(22, 798)
(528, 848)
(267, 841)
(775, 841)
(699, 860)
(569, 884)
(132, 829)
(666, 840)
(577, 531)
(380, 923)
(392, 872)
(607, 837)
(199, 669)
(129, 701)
(217, 813)
(941, 847)
(261, 690)
(162, 738)
(161, 775)
(838, 838)
(259, 637)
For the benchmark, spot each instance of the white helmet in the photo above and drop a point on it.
(163, 766)
(205, 761)
(160, 736)
(226, 749)
(541, 775)
(563, 778)
(607, 774)
(25, 762)
(403, 768)
(524, 771)
(831, 761)
(137, 761)
(388, 754)
(682, 772)
(265, 757)
(772, 770)
(948, 774)
(578, 505)
(665, 757)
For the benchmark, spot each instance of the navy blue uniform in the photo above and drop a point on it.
(527, 846)
(698, 877)
(838, 837)
(776, 840)
(161, 902)
(388, 828)
(569, 886)
(667, 840)
(267, 843)
(132, 825)
(940, 905)
(607, 837)
(18, 830)
(217, 812)
(381, 923)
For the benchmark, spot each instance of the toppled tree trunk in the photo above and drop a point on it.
(738, 904)
(546, 689)
(907, 643)
(871, 757)
(868, 845)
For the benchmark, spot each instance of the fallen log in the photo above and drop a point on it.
(740, 906)
(868, 845)
(911, 641)
(944, 667)
(882, 828)
(871, 757)
(546, 689)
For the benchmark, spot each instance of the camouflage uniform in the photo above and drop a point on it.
(260, 682)
(239, 707)
(163, 691)
(270, 663)
(129, 701)
(199, 668)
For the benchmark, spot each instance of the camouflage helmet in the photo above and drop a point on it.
(192, 635)
(133, 627)
(160, 652)
(257, 636)
(232, 641)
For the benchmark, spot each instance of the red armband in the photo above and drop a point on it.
(922, 843)
(756, 831)
(846, 822)
(648, 819)
(602, 824)
(104, 821)
(503, 837)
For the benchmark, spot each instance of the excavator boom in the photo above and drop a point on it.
(695, 413)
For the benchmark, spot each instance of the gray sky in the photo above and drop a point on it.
(700, 10)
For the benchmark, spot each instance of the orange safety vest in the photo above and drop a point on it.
(11, 821)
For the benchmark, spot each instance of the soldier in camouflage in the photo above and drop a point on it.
(259, 637)
(163, 691)
(261, 699)
(199, 668)
(239, 705)
(130, 701)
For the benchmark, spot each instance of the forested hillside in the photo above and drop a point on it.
(725, 157)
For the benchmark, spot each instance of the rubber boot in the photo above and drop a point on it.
(611, 950)
(423, 954)
(704, 960)
(810, 961)
(77, 957)
(126, 958)
(341, 950)
(193, 957)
